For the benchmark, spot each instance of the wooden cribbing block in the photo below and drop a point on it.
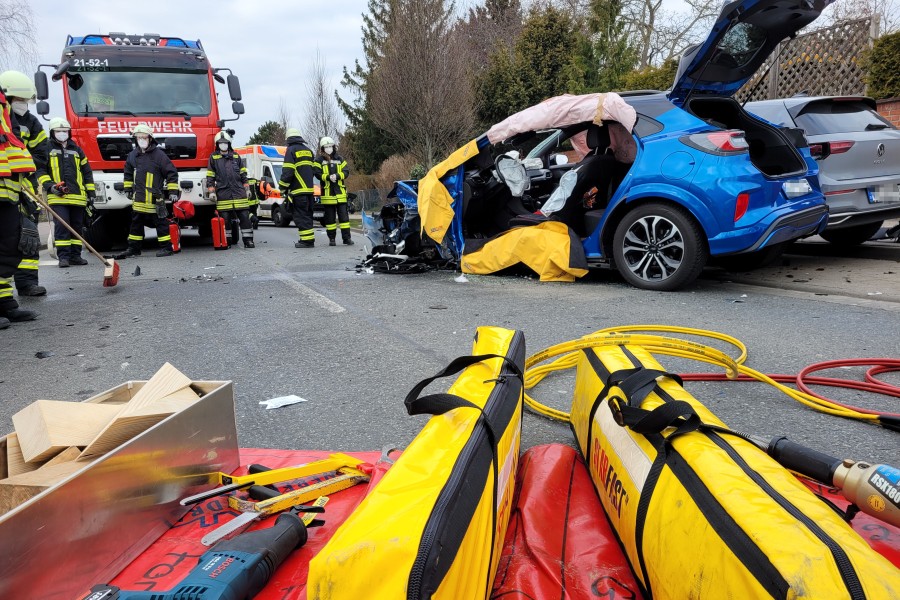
(20, 488)
(167, 392)
(47, 427)
(15, 462)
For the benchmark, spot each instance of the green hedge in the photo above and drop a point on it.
(884, 67)
(652, 78)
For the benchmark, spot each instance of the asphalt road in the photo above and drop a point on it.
(278, 321)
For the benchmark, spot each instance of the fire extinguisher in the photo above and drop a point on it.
(175, 234)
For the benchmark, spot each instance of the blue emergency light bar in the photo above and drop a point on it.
(122, 39)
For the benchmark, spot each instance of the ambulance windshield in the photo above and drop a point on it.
(139, 92)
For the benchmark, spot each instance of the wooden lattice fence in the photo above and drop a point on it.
(825, 62)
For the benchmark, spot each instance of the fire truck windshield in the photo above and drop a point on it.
(139, 92)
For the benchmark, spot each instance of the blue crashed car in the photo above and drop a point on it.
(651, 184)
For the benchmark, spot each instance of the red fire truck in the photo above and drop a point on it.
(112, 83)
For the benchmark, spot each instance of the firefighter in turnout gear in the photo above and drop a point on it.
(253, 201)
(68, 181)
(150, 179)
(20, 92)
(226, 177)
(18, 234)
(296, 184)
(333, 172)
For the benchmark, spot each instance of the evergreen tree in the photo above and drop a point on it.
(608, 51)
(364, 143)
(269, 132)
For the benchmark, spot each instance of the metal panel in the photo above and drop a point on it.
(84, 530)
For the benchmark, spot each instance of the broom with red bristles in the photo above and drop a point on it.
(111, 270)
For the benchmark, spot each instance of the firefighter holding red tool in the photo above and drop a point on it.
(68, 182)
(226, 177)
(150, 179)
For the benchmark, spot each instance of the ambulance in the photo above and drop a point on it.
(263, 164)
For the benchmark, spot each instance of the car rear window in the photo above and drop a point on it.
(773, 113)
(839, 117)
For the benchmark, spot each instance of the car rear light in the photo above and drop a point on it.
(740, 205)
(721, 143)
(837, 192)
(839, 147)
(817, 150)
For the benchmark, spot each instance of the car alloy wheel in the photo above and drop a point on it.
(658, 247)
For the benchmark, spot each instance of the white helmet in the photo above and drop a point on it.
(326, 141)
(292, 132)
(59, 123)
(223, 136)
(142, 128)
(17, 85)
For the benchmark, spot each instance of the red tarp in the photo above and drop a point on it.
(559, 544)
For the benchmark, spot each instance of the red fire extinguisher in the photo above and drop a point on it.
(175, 234)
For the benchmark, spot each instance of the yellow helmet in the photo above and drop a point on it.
(326, 141)
(59, 123)
(17, 85)
(292, 132)
(222, 135)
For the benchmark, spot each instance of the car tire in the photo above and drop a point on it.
(752, 260)
(279, 217)
(659, 247)
(851, 236)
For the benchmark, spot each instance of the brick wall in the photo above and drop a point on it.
(890, 110)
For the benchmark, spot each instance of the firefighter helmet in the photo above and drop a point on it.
(326, 141)
(223, 136)
(142, 128)
(292, 132)
(16, 84)
(183, 209)
(59, 123)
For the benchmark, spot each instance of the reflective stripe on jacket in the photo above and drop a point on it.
(299, 168)
(150, 174)
(67, 164)
(333, 191)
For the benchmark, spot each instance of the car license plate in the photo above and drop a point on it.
(884, 193)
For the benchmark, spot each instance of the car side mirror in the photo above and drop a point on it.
(43, 108)
(237, 108)
(40, 84)
(234, 88)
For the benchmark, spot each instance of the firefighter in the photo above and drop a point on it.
(333, 172)
(18, 233)
(68, 182)
(253, 201)
(20, 91)
(150, 179)
(296, 184)
(226, 177)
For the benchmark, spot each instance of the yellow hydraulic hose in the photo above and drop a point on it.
(568, 354)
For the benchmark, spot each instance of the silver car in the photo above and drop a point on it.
(859, 159)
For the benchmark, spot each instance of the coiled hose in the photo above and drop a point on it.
(735, 370)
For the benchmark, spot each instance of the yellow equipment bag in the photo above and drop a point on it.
(434, 526)
(701, 512)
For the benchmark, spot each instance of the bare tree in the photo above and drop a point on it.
(322, 116)
(887, 11)
(17, 45)
(283, 117)
(660, 34)
(416, 93)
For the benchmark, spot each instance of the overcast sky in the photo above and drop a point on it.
(267, 44)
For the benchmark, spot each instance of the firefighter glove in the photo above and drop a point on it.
(173, 197)
(129, 194)
(211, 190)
(333, 177)
(29, 240)
(58, 189)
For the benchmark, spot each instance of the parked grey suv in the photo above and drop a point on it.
(859, 159)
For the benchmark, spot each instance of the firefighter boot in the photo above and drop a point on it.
(165, 251)
(17, 315)
(133, 250)
(305, 244)
(33, 290)
(64, 263)
(331, 241)
(77, 260)
(347, 240)
(248, 243)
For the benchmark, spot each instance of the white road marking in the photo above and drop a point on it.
(311, 294)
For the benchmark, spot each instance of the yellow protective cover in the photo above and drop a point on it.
(434, 526)
(707, 514)
(434, 203)
(550, 249)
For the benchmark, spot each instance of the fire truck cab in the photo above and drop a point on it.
(111, 83)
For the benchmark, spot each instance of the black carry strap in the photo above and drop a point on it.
(636, 384)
